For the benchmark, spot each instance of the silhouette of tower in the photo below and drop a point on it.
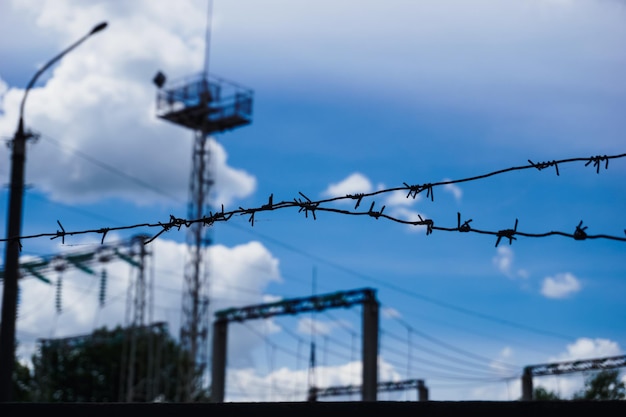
(139, 298)
(207, 105)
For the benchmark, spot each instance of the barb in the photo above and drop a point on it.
(306, 205)
(465, 227)
(414, 190)
(542, 165)
(579, 233)
(428, 223)
(357, 197)
(267, 206)
(60, 233)
(376, 214)
(596, 162)
(104, 232)
(507, 233)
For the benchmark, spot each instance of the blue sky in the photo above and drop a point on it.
(350, 97)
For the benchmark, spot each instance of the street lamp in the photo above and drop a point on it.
(14, 227)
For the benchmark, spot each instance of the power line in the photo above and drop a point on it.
(454, 360)
(453, 348)
(110, 168)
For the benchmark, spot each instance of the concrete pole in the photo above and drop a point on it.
(14, 230)
(218, 365)
(370, 350)
(527, 384)
(11, 266)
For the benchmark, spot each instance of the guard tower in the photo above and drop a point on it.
(207, 106)
(204, 104)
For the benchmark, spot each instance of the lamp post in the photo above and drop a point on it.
(14, 227)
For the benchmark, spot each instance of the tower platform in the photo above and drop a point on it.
(207, 104)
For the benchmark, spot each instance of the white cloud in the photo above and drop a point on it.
(100, 102)
(453, 189)
(410, 216)
(355, 183)
(587, 348)
(560, 286)
(399, 198)
(230, 183)
(286, 384)
(503, 261)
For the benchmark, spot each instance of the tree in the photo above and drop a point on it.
(22, 383)
(98, 367)
(542, 394)
(604, 385)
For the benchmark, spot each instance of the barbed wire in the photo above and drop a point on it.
(309, 207)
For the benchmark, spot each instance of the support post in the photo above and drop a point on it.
(422, 391)
(370, 349)
(527, 384)
(218, 365)
(11, 265)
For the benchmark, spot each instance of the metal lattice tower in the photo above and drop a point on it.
(207, 105)
(138, 298)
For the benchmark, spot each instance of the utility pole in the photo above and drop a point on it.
(14, 230)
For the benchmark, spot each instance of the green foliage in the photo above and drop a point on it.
(604, 385)
(96, 368)
(22, 383)
(542, 394)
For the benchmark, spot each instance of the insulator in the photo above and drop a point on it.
(59, 264)
(104, 254)
(103, 287)
(58, 293)
(19, 301)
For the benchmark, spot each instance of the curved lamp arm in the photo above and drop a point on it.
(96, 29)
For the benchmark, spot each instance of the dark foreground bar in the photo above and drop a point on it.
(325, 409)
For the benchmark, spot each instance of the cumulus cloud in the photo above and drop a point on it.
(453, 189)
(355, 183)
(560, 286)
(503, 261)
(587, 348)
(411, 216)
(399, 198)
(97, 106)
(285, 384)
(396, 203)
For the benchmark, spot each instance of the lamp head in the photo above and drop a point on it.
(159, 79)
(98, 28)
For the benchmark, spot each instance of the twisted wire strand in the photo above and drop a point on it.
(309, 207)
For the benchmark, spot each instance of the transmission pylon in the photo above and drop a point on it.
(138, 298)
(207, 105)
